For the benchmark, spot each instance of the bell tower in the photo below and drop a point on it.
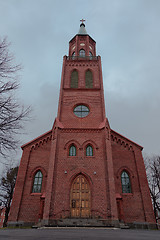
(82, 44)
(81, 155)
(81, 84)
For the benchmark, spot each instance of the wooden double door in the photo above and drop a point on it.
(80, 198)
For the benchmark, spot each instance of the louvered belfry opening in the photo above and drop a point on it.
(89, 79)
(74, 79)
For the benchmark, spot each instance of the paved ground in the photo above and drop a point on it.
(78, 234)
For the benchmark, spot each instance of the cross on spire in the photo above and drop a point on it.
(82, 20)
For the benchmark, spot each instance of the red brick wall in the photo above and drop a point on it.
(134, 203)
(123, 159)
(79, 164)
(26, 205)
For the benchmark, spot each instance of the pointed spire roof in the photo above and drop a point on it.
(82, 30)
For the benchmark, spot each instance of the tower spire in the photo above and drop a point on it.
(82, 30)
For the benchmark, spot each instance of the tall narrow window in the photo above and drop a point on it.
(73, 55)
(82, 53)
(89, 79)
(72, 151)
(89, 151)
(90, 55)
(126, 184)
(74, 79)
(37, 184)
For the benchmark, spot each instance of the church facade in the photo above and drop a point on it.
(81, 168)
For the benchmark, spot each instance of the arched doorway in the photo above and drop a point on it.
(80, 198)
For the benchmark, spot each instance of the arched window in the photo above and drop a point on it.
(82, 53)
(90, 55)
(73, 55)
(89, 79)
(74, 79)
(126, 184)
(89, 151)
(37, 184)
(72, 151)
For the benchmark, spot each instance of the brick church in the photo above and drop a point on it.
(81, 171)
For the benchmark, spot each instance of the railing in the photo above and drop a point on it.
(82, 58)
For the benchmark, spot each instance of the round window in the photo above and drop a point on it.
(81, 111)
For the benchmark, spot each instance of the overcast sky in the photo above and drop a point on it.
(127, 34)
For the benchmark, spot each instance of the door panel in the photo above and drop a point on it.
(80, 198)
(120, 210)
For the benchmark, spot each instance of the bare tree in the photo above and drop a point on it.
(153, 175)
(12, 113)
(7, 185)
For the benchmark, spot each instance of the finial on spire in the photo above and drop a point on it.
(82, 20)
(82, 30)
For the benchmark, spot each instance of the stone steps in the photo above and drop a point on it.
(72, 222)
(123, 226)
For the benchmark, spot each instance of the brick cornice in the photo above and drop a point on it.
(121, 141)
(78, 130)
(118, 138)
(39, 140)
